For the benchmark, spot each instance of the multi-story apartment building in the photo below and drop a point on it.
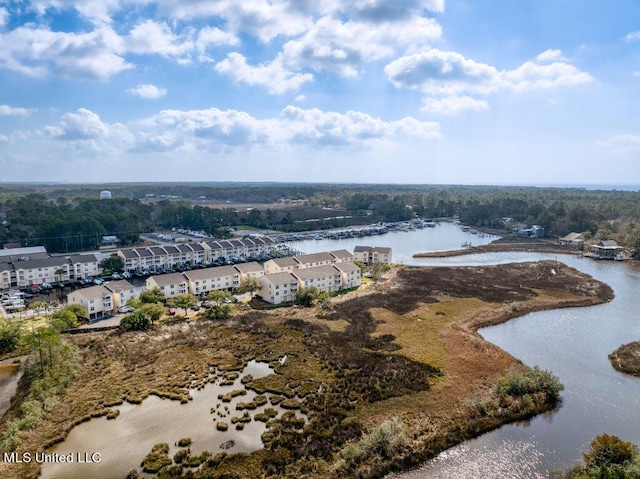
(122, 291)
(279, 287)
(202, 281)
(170, 284)
(96, 300)
(372, 254)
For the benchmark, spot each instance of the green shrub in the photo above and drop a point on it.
(385, 441)
(609, 458)
(606, 450)
(530, 382)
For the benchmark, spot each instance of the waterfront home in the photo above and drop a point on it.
(279, 287)
(97, 301)
(372, 254)
(606, 249)
(572, 239)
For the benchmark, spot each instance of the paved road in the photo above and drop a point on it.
(101, 323)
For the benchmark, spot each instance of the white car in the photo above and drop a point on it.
(125, 309)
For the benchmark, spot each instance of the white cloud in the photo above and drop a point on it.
(98, 11)
(148, 91)
(450, 74)
(317, 127)
(264, 19)
(532, 76)
(224, 127)
(6, 110)
(453, 104)
(272, 76)
(387, 10)
(4, 138)
(343, 47)
(300, 98)
(551, 56)
(37, 51)
(150, 37)
(232, 130)
(165, 141)
(4, 16)
(443, 73)
(213, 36)
(83, 125)
(633, 36)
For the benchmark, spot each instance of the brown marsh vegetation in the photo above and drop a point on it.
(386, 377)
(626, 358)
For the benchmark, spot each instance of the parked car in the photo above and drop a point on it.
(195, 307)
(125, 309)
(171, 312)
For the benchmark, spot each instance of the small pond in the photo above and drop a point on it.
(10, 374)
(123, 443)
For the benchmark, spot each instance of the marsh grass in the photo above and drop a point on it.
(365, 360)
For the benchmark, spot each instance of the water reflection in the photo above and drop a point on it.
(574, 344)
(122, 443)
(9, 377)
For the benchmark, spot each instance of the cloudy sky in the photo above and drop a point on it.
(406, 91)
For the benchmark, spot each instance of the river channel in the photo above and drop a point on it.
(572, 343)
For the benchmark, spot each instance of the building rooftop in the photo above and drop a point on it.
(281, 278)
(208, 273)
(285, 261)
(316, 272)
(41, 263)
(93, 292)
(315, 258)
(117, 286)
(252, 267)
(168, 279)
(23, 251)
(342, 254)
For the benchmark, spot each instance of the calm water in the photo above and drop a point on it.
(572, 343)
(9, 376)
(122, 443)
(443, 237)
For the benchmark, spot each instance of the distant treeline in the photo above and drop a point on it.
(70, 218)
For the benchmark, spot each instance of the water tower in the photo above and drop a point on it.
(105, 195)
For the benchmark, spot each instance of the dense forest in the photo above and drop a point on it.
(68, 218)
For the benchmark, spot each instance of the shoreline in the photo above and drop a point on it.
(381, 322)
(506, 244)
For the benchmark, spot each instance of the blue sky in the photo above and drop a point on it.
(405, 91)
